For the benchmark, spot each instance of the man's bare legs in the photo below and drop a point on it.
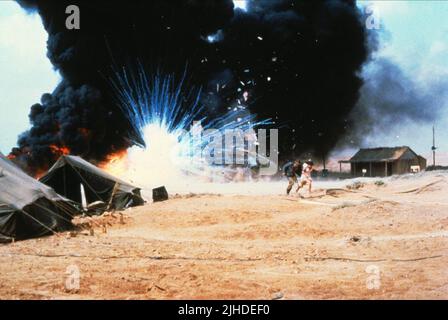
(300, 186)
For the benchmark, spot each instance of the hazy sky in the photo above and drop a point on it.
(414, 35)
(25, 71)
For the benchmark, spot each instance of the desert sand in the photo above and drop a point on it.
(377, 241)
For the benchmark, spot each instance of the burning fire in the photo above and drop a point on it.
(159, 164)
(59, 151)
(116, 163)
(39, 173)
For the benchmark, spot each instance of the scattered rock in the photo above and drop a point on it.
(355, 185)
(277, 296)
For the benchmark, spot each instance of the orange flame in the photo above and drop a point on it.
(115, 163)
(59, 151)
(39, 173)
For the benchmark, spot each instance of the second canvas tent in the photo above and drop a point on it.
(71, 176)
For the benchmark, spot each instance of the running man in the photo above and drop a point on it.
(291, 171)
(308, 168)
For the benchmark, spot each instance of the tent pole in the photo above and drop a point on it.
(112, 196)
(65, 183)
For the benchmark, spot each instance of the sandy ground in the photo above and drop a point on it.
(375, 242)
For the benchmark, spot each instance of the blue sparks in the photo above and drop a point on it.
(161, 110)
(157, 100)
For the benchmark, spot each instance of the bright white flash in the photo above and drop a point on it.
(240, 4)
(161, 162)
(166, 119)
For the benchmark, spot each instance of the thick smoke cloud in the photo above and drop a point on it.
(391, 99)
(301, 59)
(298, 60)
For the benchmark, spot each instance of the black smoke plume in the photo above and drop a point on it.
(298, 60)
(391, 100)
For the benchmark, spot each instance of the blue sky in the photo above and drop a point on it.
(414, 35)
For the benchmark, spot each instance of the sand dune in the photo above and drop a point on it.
(252, 242)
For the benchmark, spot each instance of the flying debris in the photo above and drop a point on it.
(216, 37)
(161, 111)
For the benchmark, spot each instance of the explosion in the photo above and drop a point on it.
(298, 62)
(161, 162)
(115, 163)
(164, 152)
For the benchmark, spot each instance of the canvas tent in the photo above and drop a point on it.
(28, 208)
(71, 176)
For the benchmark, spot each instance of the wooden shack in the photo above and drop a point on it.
(383, 162)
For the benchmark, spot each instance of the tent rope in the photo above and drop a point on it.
(39, 222)
(52, 212)
(84, 180)
(64, 207)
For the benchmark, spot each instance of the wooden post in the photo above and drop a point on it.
(385, 163)
(114, 190)
(64, 182)
(340, 167)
